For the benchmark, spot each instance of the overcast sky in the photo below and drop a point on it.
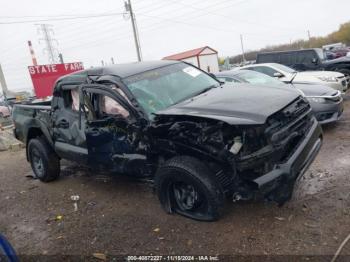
(165, 27)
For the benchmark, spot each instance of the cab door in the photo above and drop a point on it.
(68, 135)
(113, 134)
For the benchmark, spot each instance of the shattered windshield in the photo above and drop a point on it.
(162, 87)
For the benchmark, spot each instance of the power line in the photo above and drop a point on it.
(227, 17)
(189, 24)
(53, 16)
(192, 17)
(59, 19)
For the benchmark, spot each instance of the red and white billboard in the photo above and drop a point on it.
(44, 76)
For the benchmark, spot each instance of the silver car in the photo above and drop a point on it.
(326, 103)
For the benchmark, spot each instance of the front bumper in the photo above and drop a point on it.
(342, 85)
(327, 112)
(278, 184)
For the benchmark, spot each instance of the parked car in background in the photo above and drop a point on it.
(305, 60)
(4, 110)
(326, 103)
(340, 52)
(330, 55)
(336, 53)
(167, 121)
(287, 74)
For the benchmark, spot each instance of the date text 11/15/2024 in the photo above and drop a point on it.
(172, 258)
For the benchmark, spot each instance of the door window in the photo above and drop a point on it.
(75, 99)
(287, 59)
(268, 58)
(101, 105)
(306, 57)
(111, 107)
(264, 69)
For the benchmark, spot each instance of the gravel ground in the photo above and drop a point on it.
(117, 216)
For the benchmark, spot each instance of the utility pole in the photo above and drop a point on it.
(3, 83)
(128, 8)
(46, 31)
(308, 34)
(243, 55)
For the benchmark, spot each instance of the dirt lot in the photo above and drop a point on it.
(118, 216)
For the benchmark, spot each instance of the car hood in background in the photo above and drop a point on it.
(314, 89)
(320, 74)
(243, 104)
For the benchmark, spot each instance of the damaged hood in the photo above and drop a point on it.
(320, 74)
(243, 104)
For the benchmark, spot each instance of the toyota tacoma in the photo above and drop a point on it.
(198, 140)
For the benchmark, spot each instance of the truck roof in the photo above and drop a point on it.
(121, 70)
(288, 51)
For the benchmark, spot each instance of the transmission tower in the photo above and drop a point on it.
(46, 31)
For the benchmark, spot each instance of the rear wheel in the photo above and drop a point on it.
(44, 161)
(187, 187)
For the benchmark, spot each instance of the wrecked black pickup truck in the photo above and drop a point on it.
(197, 139)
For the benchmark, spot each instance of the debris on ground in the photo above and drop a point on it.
(59, 218)
(99, 256)
(75, 199)
(8, 141)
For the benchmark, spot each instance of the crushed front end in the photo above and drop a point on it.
(275, 155)
(248, 160)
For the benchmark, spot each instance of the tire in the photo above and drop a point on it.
(44, 161)
(187, 187)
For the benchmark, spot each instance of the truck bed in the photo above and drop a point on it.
(34, 115)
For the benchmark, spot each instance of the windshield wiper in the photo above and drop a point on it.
(295, 74)
(199, 93)
(206, 89)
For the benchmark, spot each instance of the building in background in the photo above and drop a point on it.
(206, 58)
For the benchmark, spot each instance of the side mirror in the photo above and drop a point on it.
(314, 61)
(278, 75)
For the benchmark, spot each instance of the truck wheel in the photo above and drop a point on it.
(44, 161)
(187, 187)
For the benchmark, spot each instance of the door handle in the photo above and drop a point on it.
(63, 124)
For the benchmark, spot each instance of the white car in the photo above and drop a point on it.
(286, 74)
